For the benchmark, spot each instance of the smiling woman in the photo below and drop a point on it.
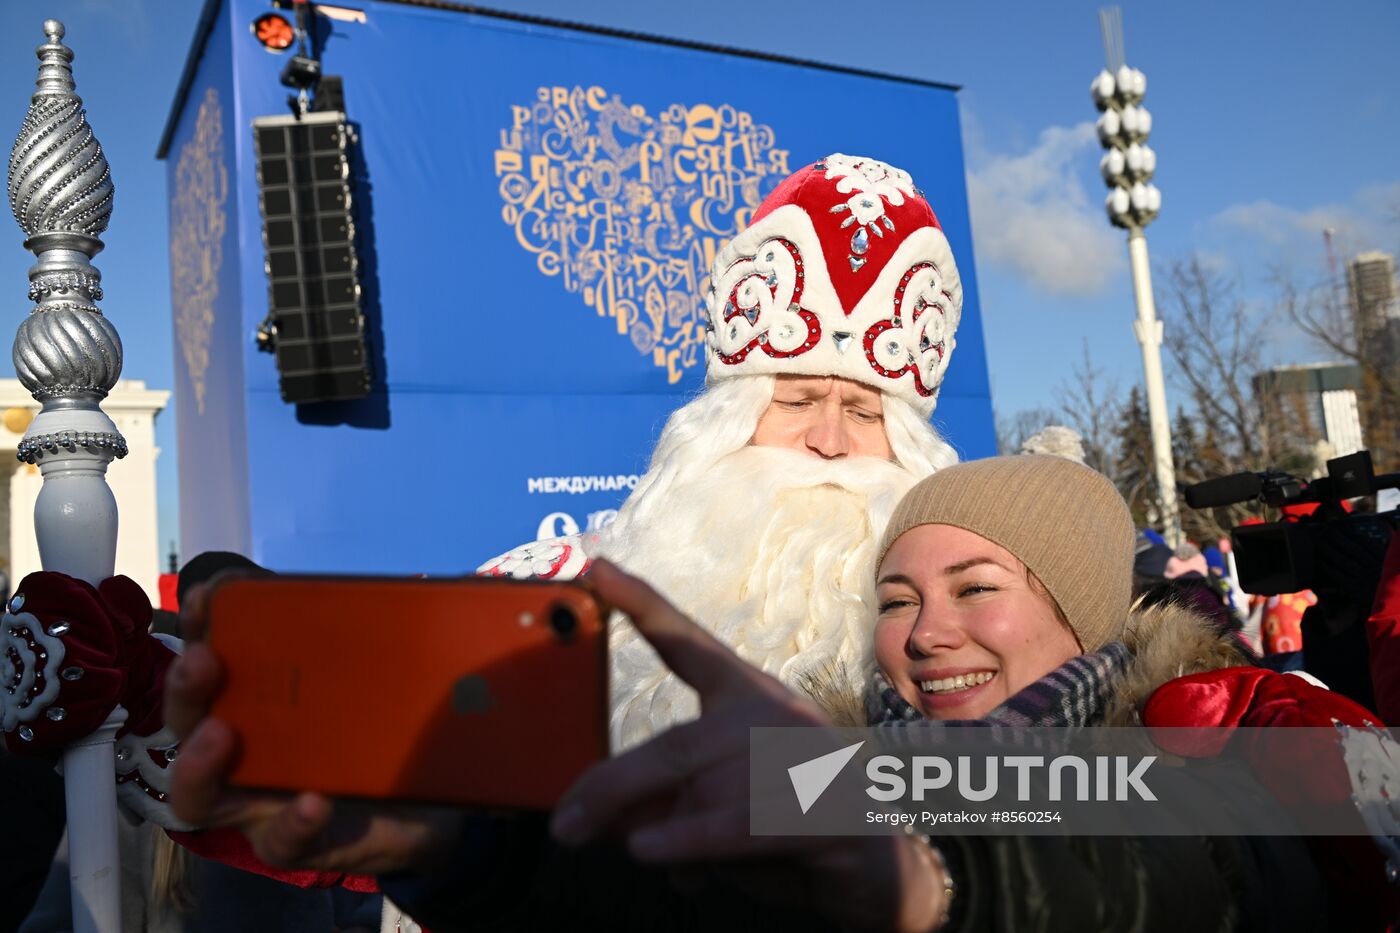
(963, 624)
(1003, 593)
(996, 575)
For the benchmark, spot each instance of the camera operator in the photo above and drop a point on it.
(1334, 630)
(1322, 546)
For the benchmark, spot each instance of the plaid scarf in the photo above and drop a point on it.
(1074, 694)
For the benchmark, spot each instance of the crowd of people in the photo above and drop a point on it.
(805, 550)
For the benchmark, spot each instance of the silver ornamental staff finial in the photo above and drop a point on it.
(55, 75)
(66, 353)
(69, 356)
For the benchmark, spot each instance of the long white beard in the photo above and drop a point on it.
(771, 550)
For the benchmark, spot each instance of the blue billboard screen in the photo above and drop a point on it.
(537, 207)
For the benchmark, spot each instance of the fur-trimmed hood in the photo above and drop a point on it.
(1166, 641)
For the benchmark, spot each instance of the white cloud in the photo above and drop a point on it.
(1033, 219)
(1365, 221)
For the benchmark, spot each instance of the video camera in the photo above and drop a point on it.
(1289, 556)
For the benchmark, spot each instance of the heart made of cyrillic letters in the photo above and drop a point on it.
(627, 209)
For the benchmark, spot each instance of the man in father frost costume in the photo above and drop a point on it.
(831, 323)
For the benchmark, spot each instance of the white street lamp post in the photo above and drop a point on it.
(1133, 202)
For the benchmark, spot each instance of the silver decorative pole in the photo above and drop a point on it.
(69, 356)
(1133, 202)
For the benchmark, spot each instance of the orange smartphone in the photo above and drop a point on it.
(475, 691)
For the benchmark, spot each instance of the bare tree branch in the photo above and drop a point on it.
(1217, 346)
(1013, 430)
(1090, 401)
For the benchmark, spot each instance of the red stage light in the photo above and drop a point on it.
(274, 32)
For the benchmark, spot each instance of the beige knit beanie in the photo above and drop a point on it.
(1065, 522)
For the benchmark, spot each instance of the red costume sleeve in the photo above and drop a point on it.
(231, 847)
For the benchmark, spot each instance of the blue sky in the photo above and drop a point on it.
(1271, 121)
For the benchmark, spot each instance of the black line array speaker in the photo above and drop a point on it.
(317, 326)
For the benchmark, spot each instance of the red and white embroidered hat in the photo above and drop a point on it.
(843, 271)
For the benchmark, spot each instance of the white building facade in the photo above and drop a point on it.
(1329, 394)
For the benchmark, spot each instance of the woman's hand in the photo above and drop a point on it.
(692, 782)
(302, 831)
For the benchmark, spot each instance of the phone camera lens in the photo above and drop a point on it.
(563, 620)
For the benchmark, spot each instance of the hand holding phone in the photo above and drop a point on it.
(306, 831)
(473, 691)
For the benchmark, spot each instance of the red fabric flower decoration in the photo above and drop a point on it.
(69, 653)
